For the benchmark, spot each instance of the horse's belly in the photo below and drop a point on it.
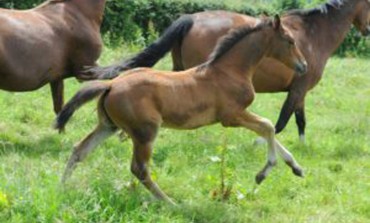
(10, 82)
(19, 74)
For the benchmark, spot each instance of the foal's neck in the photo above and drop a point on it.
(243, 58)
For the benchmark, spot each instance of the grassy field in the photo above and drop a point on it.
(336, 160)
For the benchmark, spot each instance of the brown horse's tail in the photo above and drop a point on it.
(89, 92)
(150, 55)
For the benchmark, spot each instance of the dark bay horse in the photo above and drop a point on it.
(217, 91)
(48, 43)
(318, 32)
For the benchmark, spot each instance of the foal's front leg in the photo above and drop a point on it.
(265, 128)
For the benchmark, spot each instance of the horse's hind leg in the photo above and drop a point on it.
(84, 147)
(143, 139)
(176, 57)
(57, 90)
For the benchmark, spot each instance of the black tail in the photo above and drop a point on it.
(150, 55)
(91, 91)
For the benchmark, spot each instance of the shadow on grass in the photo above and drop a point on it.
(138, 205)
(46, 145)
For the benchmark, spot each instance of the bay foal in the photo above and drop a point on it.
(218, 91)
(318, 32)
(49, 43)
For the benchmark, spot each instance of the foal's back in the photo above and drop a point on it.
(181, 100)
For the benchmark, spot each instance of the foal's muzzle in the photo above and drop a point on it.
(301, 67)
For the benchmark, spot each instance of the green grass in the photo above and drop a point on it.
(335, 159)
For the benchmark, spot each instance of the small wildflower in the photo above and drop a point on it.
(4, 202)
(215, 159)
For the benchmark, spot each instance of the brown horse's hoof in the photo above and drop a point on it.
(61, 130)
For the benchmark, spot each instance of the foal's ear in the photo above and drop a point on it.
(276, 23)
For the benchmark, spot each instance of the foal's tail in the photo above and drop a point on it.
(150, 55)
(89, 92)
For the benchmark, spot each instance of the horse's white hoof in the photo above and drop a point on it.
(302, 139)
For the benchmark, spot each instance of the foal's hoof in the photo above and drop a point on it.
(298, 171)
(259, 178)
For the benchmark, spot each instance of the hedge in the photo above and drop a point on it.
(139, 21)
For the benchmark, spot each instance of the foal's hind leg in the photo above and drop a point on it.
(143, 139)
(89, 143)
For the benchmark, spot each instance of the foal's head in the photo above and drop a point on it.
(283, 48)
(362, 16)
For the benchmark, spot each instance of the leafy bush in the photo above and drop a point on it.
(284, 5)
(138, 21)
(133, 18)
(19, 4)
(353, 45)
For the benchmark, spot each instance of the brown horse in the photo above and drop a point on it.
(48, 43)
(215, 92)
(318, 32)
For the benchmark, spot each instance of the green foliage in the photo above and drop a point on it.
(354, 45)
(284, 5)
(140, 21)
(133, 20)
(19, 4)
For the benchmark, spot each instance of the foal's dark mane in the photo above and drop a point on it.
(322, 9)
(227, 42)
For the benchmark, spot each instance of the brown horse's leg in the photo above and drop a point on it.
(89, 143)
(143, 139)
(57, 88)
(290, 104)
(177, 58)
(300, 118)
